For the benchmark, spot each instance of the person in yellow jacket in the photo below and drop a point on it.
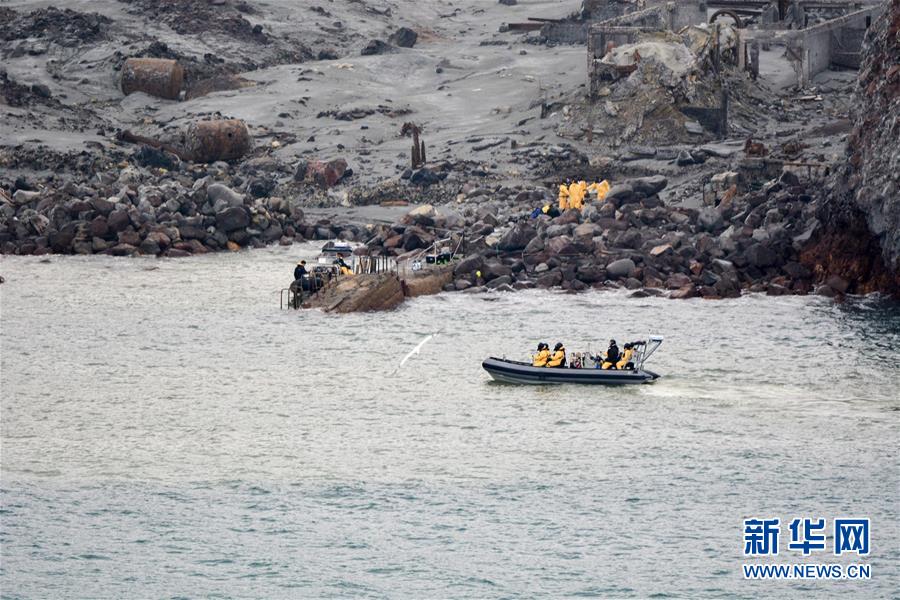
(576, 194)
(543, 355)
(343, 266)
(601, 189)
(563, 197)
(559, 356)
(627, 353)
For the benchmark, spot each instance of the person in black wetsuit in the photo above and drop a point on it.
(612, 355)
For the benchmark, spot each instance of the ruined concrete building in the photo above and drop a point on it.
(815, 33)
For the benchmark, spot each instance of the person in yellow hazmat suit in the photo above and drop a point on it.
(559, 356)
(624, 361)
(540, 359)
(576, 194)
(563, 197)
(601, 189)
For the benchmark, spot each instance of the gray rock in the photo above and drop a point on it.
(590, 274)
(498, 281)
(22, 197)
(534, 246)
(404, 38)
(760, 256)
(557, 230)
(649, 186)
(232, 218)
(684, 158)
(149, 246)
(620, 193)
(218, 192)
(588, 230)
(709, 219)
(118, 220)
(469, 264)
(838, 284)
(620, 268)
(517, 238)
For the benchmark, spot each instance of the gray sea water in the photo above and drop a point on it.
(167, 431)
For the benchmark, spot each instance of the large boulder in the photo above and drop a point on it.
(221, 193)
(325, 174)
(621, 193)
(649, 186)
(375, 47)
(620, 268)
(425, 177)
(359, 293)
(427, 283)
(469, 264)
(118, 220)
(230, 219)
(761, 256)
(517, 238)
(403, 38)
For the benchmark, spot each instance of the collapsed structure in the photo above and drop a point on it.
(815, 33)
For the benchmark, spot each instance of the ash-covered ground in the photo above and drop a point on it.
(504, 117)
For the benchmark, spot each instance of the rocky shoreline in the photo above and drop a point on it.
(754, 241)
(689, 218)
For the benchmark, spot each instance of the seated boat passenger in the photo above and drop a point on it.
(625, 360)
(543, 355)
(558, 359)
(343, 266)
(612, 356)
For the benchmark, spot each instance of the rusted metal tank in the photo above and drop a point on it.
(158, 77)
(221, 139)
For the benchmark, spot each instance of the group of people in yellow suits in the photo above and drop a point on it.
(544, 358)
(611, 359)
(572, 195)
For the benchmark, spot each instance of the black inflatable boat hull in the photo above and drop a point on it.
(511, 371)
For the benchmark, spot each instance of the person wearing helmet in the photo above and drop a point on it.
(625, 360)
(559, 356)
(543, 355)
(612, 355)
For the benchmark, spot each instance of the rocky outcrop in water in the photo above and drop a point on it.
(376, 291)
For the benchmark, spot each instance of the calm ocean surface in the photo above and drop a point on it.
(168, 432)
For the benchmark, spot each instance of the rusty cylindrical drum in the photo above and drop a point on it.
(221, 139)
(158, 77)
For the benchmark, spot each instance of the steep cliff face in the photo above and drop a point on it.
(860, 238)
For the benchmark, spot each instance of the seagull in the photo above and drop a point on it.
(415, 350)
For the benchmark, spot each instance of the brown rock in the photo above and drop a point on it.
(359, 293)
(427, 283)
(684, 293)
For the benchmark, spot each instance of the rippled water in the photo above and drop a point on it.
(168, 432)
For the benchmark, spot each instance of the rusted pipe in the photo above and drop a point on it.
(158, 77)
